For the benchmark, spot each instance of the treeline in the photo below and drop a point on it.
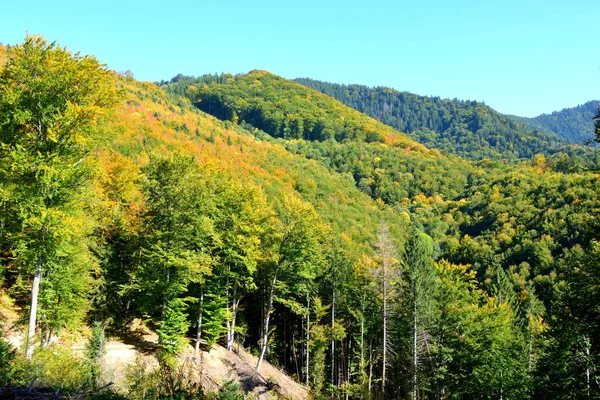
(469, 129)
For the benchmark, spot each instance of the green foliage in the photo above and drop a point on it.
(575, 124)
(568, 366)
(175, 243)
(477, 351)
(281, 108)
(56, 367)
(320, 335)
(216, 229)
(7, 356)
(230, 391)
(50, 101)
(386, 172)
(467, 128)
(95, 349)
(171, 380)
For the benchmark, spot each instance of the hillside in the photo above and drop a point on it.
(296, 229)
(574, 125)
(511, 223)
(384, 163)
(285, 109)
(466, 128)
(254, 191)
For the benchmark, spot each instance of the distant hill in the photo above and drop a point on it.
(284, 109)
(469, 129)
(574, 125)
(384, 163)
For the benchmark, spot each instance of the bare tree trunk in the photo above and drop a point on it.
(370, 368)
(234, 308)
(308, 341)
(415, 354)
(386, 251)
(35, 290)
(587, 369)
(385, 318)
(295, 353)
(267, 317)
(349, 359)
(362, 336)
(333, 363)
(227, 320)
(199, 330)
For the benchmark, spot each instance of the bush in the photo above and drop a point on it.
(7, 355)
(149, 379)
(230, 391)
(56, 367)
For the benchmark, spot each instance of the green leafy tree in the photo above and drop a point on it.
(49, 101)
(176, 243)
(569, 367)
(421, 285)
(298, 253)
(475, 352)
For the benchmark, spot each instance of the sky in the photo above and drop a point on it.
(523, 57)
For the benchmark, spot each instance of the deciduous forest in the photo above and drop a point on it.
(298, 228)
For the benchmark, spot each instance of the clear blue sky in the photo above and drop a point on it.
(521, 57)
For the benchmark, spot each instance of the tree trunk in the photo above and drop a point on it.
(235, 302)
(227, 320)
(295, 353)
(370, 386)
(362, 337)
(267, 316)
(308, 341)
(35, 290)
(199, 330)
(165, 297)
(46, 335)
(332, 339)
(349, 362)
(385, 318)
(587, 370)
(415, 355)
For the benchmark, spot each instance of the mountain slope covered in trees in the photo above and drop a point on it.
(359, 261)
(575, 124)
(511, 223)
(467, 128)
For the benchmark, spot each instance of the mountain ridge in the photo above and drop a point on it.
(466, 128)
(573, 124)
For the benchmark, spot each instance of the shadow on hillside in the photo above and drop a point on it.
(138, 338)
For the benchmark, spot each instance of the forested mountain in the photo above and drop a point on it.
(469, 129)
(575, 124)
(284, 109)
(291, 112)
(355, 259)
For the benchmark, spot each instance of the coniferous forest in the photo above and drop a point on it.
(296, 229)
